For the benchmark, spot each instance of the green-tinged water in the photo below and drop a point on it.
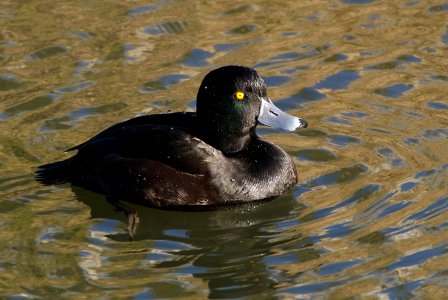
(368, 218)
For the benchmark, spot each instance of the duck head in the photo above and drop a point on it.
(231, 101)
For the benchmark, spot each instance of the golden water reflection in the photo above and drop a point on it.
(368, 216)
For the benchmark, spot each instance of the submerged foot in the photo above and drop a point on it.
(131, 214)
(133, 221)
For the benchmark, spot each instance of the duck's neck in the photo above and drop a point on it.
(227, 142)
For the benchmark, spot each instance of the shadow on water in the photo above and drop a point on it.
(230, 248)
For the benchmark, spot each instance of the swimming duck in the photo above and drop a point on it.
(211, 157)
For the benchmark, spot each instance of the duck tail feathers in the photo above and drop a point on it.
(54, 173)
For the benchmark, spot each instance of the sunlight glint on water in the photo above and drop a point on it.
(368, 216)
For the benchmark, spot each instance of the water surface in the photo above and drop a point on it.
(368, 217)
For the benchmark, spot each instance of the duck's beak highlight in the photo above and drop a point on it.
(273, 116)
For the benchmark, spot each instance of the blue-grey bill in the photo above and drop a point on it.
(273, 116)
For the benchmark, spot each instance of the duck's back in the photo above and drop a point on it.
(150, 158)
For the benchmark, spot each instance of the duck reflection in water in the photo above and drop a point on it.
(229, 247)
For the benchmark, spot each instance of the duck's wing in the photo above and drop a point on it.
(164, 165)
(138, 161)
(153, 183)
(180, 119)
(176, 147)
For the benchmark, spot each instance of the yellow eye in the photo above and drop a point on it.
(239, 95)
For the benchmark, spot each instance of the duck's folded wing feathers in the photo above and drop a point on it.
(173, 146)
(150, 182)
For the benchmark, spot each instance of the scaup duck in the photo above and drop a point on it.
(211, 157)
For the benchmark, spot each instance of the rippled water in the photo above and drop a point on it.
(369, 216)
